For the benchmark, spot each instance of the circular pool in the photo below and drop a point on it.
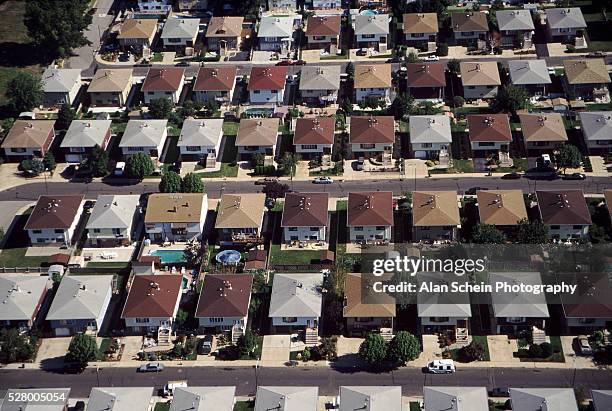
(228, 257)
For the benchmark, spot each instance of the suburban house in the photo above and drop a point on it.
(561, 399)
(240, 218)
(296, 303)
(282, 5)
(54, 219)
(137, 33)
(469, 26)
(480, 80)
(80, 304)
(305, 217)
(544, 132)
(111, 222)
(289, 398)
(426, 81)
(110, 87)
(602, 400)
(82, 136)
(443, 311)
(435, 216)
(364, 310)
(164, 83)
(587, 79)
(120, 399)
(200, 139)
(319, 85)
(276, 33)
(370, 216)
(179, 33)
(192, 5)
(257, 135)
(420, 28)
(22, 296)
(501, 208)
(224, 303)
(382, 4)
(597, 131)
(63, 395)
(516, 28)
(589, 309)
(215, 84)
(515, 312)
(323, 32)
(383, 398)
(565, 24)
(224, 33)
(430, 137)
(175, 216)
(372, 137)
(267, 84)
(490, 135)
(324, 4)
(152, 303)
(565, 212)
(203, 399)
(608, 201)
(531, 75)
(372, 31)
(147, 136)
(314, 136)
(155, 7)
(60, 86)
(373, 81)
(28, 139)
(440, 398)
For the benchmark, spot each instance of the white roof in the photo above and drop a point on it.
(455, 398)
(201, 132)
(80, 297)
(20, 295)
(179, 28)
(374, 24)
(203, 399)
(371, 398)
(525, 72)
(543, 399)
(113, 211)
(286, 398)
(143, 133)
(602, 399)
(120, 399)
(430, 129)
(56, 80)
(86, 133)
(514, 20)
(271, 26)
(596, 125)
(296, 295)
(451, 304)
(526, 305)
(564, 18)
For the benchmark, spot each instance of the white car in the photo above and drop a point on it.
(323, 180)
(119, 168)
(441, 367)
(432, 57)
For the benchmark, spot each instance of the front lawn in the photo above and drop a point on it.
(557, 352)
(226, 170)
(459, 166)
(520, 164)
(599, 107)
(243, 406)
(162, 406)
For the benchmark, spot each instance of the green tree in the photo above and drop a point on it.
(404, 347)
(139, 165)
(472, 352)
(83, 348)
(458, 101)
(181, 317)
(192, 183)
(487, 234)
(568, 157)
(247, 343)
(97, 161)
(373, 349)
(65, 115)
(170, 182)
(160, 108)
(442, 50)
(531, 232)
(24, 91)
(6, 126)
(33, 166)
(454, 67)
(350, 71)
(510, 98)
(289, 163)
(401, 106)
(412, 57)
(257, 159)
(49, 161)
(193, 253)
(14, 346)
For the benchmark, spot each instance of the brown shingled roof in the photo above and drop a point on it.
(563, 207)
(372, 76)
(54, 212)
(489, 127)
(501, 207)
(586, 71)
(153, 296)
(362, 301)
(215, 79)
(28, 134)
(225, 296)
(426, 74)
(225, 26)
(314, 130)
(305, 210)
(267, 78)
(323, 26)
(483, 73)
(420, 23)
(163, 79)
(372, 129)
(469, 21)
(543, 127)
(608, 198)
(435, 208)
(370, 208)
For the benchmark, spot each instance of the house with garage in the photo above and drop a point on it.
(194, 6)
(439, 398)
(28, 139)
(597, 131)
(179, 33)
(147, 136)
(565, 24)
(215, 84)
(373, 82)
(516, 28)
(371, 31)
(257, 135)
(175, 216)
(370, 217)
(502, 208)
(430, 137)
(305, 217)
(388, 398)
(289, 398)
(110, 87)
(200, 140)
(165, 83)
(543, 132)
(372, 137)
(224, 33)
(426, 81)
(267, 84)
(203, 398)
(420, 29)
(314, 136)
(240, 218)
(469, 26)
(54, 219)
(80, 304)
(276, 33)
(60, 86)
(602, 399)
(137, 33)
(435, 216)
(22, 296)
(319, 85)
(561, 399)
(587, 79)
(112, 220)
(490, 135)
(364, 310)
(589, 308)
(120, 399)
(82, 136)
(323, 32)
(324, 4)
(565, 212)
(155, 7)
(531, 75)
(282, 5)
(480, 80)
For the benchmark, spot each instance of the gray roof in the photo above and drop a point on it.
(120, 399)
(374, 24)
(86, 133)
(56, 80)
(286, 398)
(177, 28)
(143, 133)
(430, 129)
(514, 20)
(563, 18)
(455, 398)
(271, 26)
(61, 405)
(113, 211)
(296, 295)
(526, 305)
(20, 294)
(544, 399)
(442, 305)
(526, 72)
(80, 297)
(203, 399)
(596, 125)
(602, 400)
(196, 132)
(371, 398)
(320, 78)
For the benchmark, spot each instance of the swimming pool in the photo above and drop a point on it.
(170, 256)
(367, 12)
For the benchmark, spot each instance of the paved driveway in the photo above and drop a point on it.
(133, 344)
(276, 348)
(571, 358)
(502, 349)
(52, 351)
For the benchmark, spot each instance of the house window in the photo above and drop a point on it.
(58, 231)
(586, 320)
(77, 149)
(256, 91)
(216, 319)
(318, 38)
(309, 146)
(426, 145)
(193, 148)
(417, 34)
(174, 40)
(18, 150)
(314, 228)
(36, 231)
(380, 227)
(292, 228)
(289, 319)
(359, 237)
(168, 93)
(486, 144)
(116, 231)
(515, 320)
(358, 228)
(364, 319)
(142, 320)
(577, 227)
(438, 319)
(555, 227)
(367, 36)
(96, 230)
(367, 146)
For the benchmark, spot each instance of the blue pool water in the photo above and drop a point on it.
(367, 12)
(169, 256)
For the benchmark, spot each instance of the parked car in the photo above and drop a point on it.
(582, 343)
(298, 63)
(177, 166)
(441, 367)
(182, 64)
(596, 54)
(323, 180)
(394, 59)
(264, 181)
(205, 346)
(511, 176)
(432, 57)
(284, 63)
(171, 386)
(119, 169)
(472, 191)
(546, 174)
(574, 176)
(499, 392)
(361, 52)
(151, 367)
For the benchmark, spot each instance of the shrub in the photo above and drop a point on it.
(472, 352)
(535, 351)
(547, 350)
(458, 101)
(442, 50)
(306, 354)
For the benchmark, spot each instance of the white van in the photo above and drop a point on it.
(172, 385)
(441, 367)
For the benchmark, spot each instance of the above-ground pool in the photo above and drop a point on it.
(228, 257)
(170, 256)
(367, 12)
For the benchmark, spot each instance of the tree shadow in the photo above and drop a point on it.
(14, 54)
